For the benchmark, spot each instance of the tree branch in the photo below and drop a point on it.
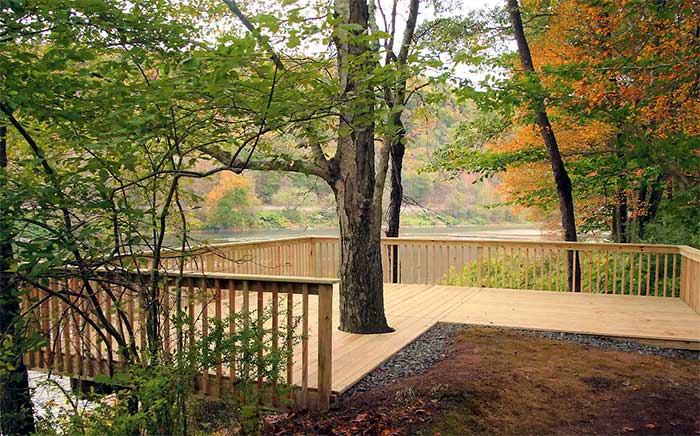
(255, 32)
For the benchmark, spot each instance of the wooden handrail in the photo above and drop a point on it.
(73, 349)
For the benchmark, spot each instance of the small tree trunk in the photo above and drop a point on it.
(561, 177)
(654, 201)
(619, 222)
(398, 149)
(16, 410)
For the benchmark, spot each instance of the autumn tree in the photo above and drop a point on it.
(561, 176)
(619, 80)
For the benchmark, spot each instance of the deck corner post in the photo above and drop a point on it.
(325, 345)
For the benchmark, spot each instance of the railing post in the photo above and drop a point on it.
(690, 277)
(325, 345)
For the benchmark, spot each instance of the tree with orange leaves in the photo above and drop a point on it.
(620, 80)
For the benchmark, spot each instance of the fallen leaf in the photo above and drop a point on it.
(650, 426)
(361, 417)
(628, 429)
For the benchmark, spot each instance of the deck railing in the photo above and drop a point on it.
(606, 268)
(297, 281)
(76, 345)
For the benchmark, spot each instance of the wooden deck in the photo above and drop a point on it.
(412, 309)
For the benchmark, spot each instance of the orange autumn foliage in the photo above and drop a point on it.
(613, 69)
(226, 182)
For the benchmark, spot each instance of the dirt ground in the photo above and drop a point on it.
(502, 382)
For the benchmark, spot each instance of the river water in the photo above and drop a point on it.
(490, 231)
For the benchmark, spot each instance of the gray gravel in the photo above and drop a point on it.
(616, 344)
(415, 358)
(432, 346)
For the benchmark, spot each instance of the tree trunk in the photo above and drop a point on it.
(353, 179)
(654, 201)
(398, 149)
(361, 278)
(561, 177)
(16, 411)
(619, 221)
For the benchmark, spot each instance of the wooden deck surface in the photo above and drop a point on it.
(412, 309)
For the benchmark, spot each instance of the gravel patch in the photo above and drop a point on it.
(615, 344)
(414, 358)
(432, 346)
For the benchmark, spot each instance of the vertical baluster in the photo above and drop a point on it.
(597, 281)
(259, 327)
(657, 264)
(665, 275)
(290, 335)
(622, 272)
(66, 317)
(527, 267)
(631, 286)
(647, 291)
(305, 346)
(56, 316)
(639, 273)
(275, 330)
(615, 272)
(218, 316)
(589, 255)
(166, 302)
(204, 300)
(232, 327)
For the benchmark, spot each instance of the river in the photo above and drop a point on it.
(476, 231)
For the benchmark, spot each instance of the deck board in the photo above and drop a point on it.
(412, 309)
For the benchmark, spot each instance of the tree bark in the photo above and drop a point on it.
(561, 177)
(16, 410)
(353, 181)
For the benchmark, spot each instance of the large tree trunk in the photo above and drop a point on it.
(353, 182)
(561, 177)
(361, 283)
(16, 411)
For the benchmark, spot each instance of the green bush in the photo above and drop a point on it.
(599, 273)
(157, 399)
